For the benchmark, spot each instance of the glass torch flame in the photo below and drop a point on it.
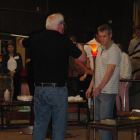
(94, 49)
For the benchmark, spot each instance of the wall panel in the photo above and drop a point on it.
(81, 17)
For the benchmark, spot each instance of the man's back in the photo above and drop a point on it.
(50, 55)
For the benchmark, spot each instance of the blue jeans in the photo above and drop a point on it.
(50, 101)
(104, 104)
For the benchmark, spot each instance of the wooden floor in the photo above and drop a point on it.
(72, 133)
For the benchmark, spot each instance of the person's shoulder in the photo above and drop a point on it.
(64, 36)
(99, 47)
(5, 55)
(37, 34)
(17, 54)
(134, 39)
(115, 49)
(92, 41)
(125, 54)
(64, 39)
(51, 32)
(115, 46)
(56, 35)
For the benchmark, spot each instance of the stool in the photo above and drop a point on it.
(113, 125)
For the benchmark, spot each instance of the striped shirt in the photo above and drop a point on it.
(109, 55)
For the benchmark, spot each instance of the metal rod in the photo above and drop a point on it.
(14, 35)
(124, 96)
(129, 80)
(94, 97)
(28, 36)
(81, 43)
(19, 35)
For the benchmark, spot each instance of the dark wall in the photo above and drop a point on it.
(81, 17)
(22, 17)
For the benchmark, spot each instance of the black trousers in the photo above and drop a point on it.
(17, 86)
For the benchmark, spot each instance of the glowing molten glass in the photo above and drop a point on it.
(94, 48)
(94, 53)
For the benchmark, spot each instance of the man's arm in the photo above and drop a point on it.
(108, 75)
(86, 69)
(83, 56)
(89, 90)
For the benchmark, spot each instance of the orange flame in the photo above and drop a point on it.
(94, 48)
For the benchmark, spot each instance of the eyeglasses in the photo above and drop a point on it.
(63, 25)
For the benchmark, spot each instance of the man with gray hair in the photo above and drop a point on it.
(106, 78)
(50, 54)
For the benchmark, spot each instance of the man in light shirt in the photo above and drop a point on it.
(106, 78)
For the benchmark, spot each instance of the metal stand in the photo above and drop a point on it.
(124, 96)
(94, 57)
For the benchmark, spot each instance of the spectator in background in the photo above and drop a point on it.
(90, 64)
(1, 70)
(133, 47)
(80, 68)
(12, 63)
(76, 64)
(125, 73)
(90, 61)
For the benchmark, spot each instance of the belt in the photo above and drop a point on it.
(50, 84)
(136, 57)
